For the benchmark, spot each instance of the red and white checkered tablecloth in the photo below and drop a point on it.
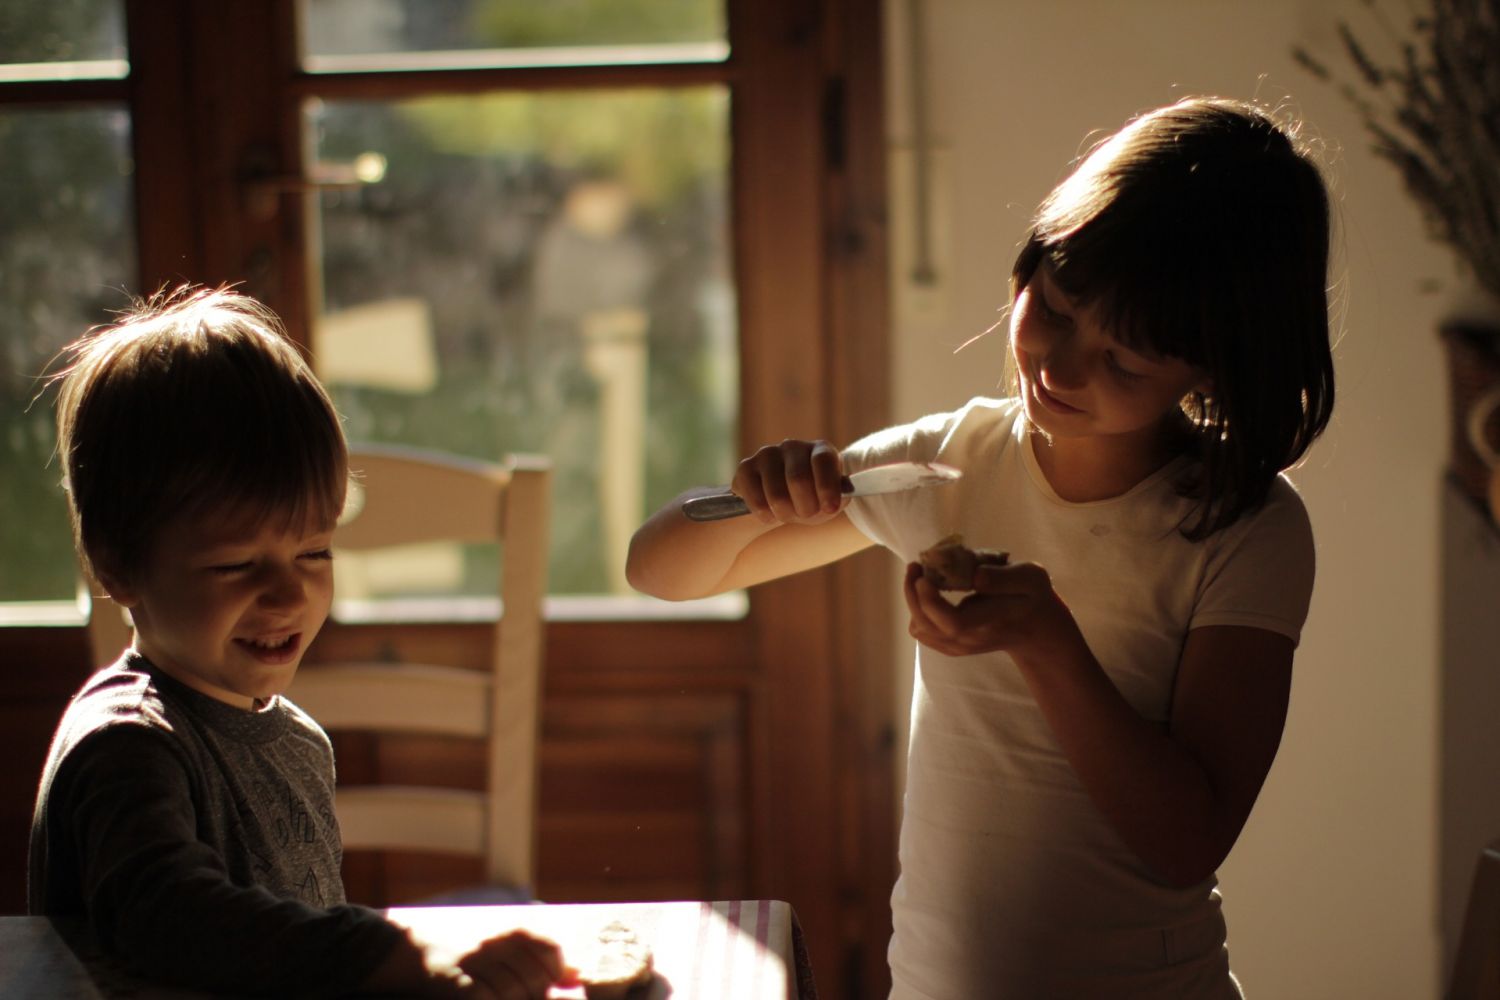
(731, 950)
(726, 950)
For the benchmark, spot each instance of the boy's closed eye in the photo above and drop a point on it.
(230, 568)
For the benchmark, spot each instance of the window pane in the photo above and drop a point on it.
(65, 210)
(539, 273)
(500, 32)
(73, 38)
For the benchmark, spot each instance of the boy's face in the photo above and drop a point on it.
(228, 606)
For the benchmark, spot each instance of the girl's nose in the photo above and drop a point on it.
(1062, 366)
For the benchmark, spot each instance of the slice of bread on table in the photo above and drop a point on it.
(617, 963)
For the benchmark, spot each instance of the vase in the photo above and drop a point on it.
(1472, 346)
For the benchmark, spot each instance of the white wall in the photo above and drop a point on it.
(1332, 890)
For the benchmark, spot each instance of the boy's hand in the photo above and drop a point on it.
(512, 966)
(1013, 609)
(794, 482)
(516, 966)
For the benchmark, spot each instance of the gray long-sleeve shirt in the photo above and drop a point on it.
(199, 840)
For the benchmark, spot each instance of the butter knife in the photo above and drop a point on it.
(892, 478)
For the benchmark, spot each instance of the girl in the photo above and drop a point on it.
(1090, 726)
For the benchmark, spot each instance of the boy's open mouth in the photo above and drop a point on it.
(272, 648)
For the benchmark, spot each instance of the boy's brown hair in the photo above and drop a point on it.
(193, 402)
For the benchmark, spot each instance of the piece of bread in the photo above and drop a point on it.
(617, 963)
(950, 565)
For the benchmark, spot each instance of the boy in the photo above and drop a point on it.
(186, 809)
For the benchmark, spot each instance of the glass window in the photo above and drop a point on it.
(68, 252)
(544, 273)
(62, 39)
(366, 34)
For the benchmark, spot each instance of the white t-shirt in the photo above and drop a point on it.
(1013, 886)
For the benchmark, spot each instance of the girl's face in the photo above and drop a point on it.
(1077, 381)
(227, 606)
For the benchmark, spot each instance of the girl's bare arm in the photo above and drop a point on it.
(1178, 797)
(677, 559)
(796, 522)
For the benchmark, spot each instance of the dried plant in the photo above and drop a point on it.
(1434, 112)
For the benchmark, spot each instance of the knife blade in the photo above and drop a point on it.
(891, 478)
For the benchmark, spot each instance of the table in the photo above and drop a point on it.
(727, 950)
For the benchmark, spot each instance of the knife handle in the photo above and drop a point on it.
(719, 506)
(714, 507)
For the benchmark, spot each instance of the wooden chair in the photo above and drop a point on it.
(1476, 966)
(413, 497)
(109, 627)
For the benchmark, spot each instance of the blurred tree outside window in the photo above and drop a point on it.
(67, 260)
(405, 32)
(541, 273)
(59, 39)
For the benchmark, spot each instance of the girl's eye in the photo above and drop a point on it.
(229, 569)
(1124, 373)
(1048, 313)
(322, 554)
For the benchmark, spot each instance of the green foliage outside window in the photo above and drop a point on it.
(472, 189)
(66, 260)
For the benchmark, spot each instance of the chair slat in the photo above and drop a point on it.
(398, 698)
(420, 497)
(410, 496)
(395, 817)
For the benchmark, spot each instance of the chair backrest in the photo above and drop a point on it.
(1476, 966)
(412, 497)
(109, 627)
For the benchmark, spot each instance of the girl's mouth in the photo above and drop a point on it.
(273, 649)
(1050, 401)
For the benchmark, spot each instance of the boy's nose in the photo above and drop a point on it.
(283, 590)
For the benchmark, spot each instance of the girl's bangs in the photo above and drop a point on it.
(1143, 296)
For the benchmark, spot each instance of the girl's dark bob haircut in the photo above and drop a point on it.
(194, 403)
(1200, 231)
